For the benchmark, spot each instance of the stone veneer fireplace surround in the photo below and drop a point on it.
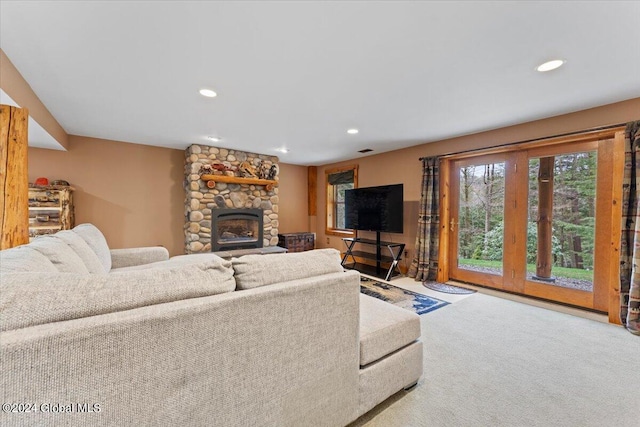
(201, 199)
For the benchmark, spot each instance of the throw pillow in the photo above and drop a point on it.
(24, 259)
(96, 241)
(83, 250)
(29, 299)
(65, 259)
(252, 271)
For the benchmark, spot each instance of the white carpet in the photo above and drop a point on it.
(494, 362)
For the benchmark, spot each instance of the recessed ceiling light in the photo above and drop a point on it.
(208, 93)
(282, 150)
(550, 65)
(352, 131)
(214, 138)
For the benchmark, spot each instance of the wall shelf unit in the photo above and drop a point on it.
(50, 209)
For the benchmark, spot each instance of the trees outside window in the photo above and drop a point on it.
(338, 181)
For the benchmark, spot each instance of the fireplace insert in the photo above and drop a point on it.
(236, 229)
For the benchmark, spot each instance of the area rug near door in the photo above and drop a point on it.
(446, 288)
(412, 301)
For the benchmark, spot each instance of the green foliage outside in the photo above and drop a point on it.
(481, 221)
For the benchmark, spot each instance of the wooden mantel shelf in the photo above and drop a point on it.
(269, 183)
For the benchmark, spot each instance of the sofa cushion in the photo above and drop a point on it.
(96, 241)
(384, 328)
(83, 250)
(252, 271)
(24, 259)
(129, 257)
(173, 262)
(28, 299)
(65, 259)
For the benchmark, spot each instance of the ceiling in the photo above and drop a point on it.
(297, 75)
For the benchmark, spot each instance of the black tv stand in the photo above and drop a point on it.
(395, 251)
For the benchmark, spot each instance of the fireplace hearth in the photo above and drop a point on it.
(236, 229)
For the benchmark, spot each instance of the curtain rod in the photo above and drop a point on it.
(533, 139)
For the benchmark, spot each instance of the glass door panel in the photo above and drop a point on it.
(477, 228)
(561, 220)
(480, 218)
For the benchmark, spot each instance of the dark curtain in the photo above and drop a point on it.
(425, 262)
(630, 245)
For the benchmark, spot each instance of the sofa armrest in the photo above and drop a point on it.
(137, 256)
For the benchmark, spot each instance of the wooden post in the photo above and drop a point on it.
(545, 217)
(14, 178)
(312, 190)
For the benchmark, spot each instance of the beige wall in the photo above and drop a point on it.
(292, 195)
(134, 193)
(402, 166)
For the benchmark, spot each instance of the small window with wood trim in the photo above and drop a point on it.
(338, 181)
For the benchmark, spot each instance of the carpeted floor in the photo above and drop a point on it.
(493, 362)
(413, 301)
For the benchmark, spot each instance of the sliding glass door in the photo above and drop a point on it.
(535, 221)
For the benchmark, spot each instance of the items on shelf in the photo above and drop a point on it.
(50, 209)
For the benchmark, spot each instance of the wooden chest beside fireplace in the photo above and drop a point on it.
(297, 242)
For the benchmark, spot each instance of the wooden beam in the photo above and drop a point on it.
(14, 179)
(617, 172)
(269, 183)
(312, 190)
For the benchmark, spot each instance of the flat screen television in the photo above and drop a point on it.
(375, 208)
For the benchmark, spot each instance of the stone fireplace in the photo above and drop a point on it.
(229, 188)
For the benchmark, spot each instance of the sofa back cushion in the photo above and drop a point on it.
(252, 271)
(65, 259)
(24, 259)
(28, 299)
(83, 250)
(96, 241)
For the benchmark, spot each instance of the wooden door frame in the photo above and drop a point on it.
(609, 198)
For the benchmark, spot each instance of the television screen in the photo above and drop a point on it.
(375, 208)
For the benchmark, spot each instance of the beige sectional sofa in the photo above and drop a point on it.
(100, 337)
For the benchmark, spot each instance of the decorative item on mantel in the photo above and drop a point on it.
(264, 174)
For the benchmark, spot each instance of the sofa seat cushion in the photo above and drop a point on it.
(24, 259)
(252, 271)
(29, 299)
(97, 242)
(384, 328)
